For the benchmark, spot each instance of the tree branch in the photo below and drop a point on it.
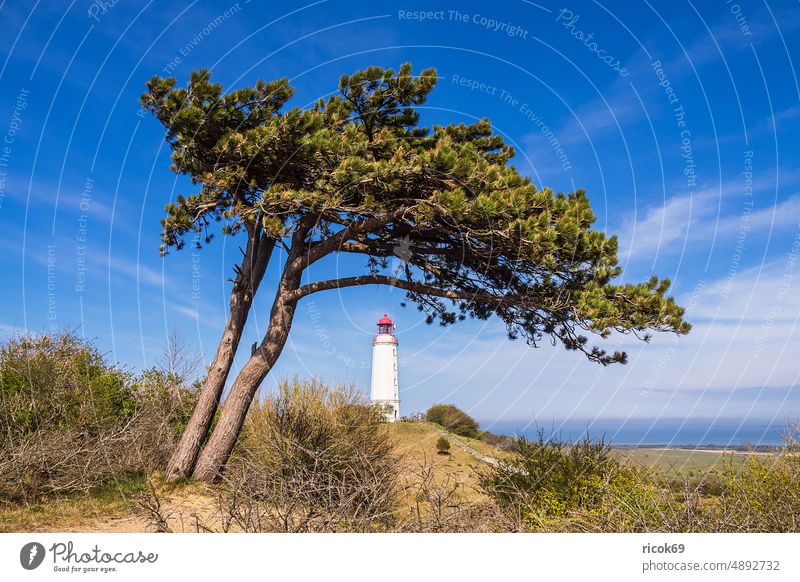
(412, 286)
(335, 241)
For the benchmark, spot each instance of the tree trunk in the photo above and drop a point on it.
(254, 264)
(234, 411)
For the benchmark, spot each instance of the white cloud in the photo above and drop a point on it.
(669, 226)
(745, 334)
(138, 272)
(704, 216)
(190, 312)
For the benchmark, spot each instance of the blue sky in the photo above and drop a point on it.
(680, 120)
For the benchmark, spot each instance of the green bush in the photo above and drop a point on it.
(167, 395)
(56, 381)
(453, 419)
(763, 494)
(73, 422)
(547, 482)
(443, 446)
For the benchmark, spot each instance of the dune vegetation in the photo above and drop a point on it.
(85, 444)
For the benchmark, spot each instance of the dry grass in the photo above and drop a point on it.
(434, 492)
(416, 446)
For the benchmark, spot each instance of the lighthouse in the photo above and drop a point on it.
(384, 369)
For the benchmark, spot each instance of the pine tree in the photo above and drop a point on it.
(355, 173)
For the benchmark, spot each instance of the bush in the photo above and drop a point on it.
(312, 458)
(165, 396)
(443, 446)
(763, 494)
(53, 381)
(453, 419)
(73, 422)
(547, 482)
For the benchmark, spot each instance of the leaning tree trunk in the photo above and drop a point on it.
(254, 264)
(233, 412)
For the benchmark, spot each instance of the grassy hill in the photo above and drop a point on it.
(416, 444)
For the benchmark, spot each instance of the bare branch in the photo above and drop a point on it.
(412, 286)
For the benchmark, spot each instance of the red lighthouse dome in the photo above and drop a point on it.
(385, 325)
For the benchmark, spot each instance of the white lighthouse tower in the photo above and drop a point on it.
(384, 369)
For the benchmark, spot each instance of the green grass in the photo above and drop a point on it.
(75, 512)
(680, 462)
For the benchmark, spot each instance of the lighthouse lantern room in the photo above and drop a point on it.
(384, 369)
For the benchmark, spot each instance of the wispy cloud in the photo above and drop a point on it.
(128, 268)
(190, 312)
(707, 215)
(663, 226)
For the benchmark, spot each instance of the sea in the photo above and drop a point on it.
(650, 432)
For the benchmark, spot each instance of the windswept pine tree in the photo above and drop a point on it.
(356, 173)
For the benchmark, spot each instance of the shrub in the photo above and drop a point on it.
(763, 494)
(548, 482)
(73, 422)
(165, 396)
(453, 419)
(443, 446)
(313, 458)
(53, 381)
